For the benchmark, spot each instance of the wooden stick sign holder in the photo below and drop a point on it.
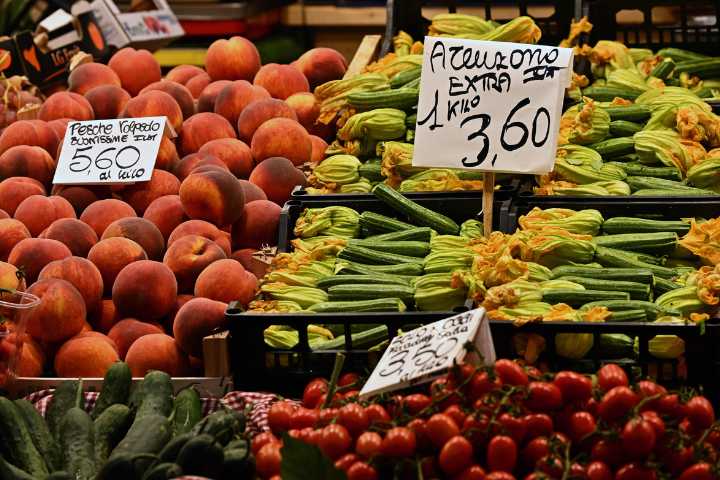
(487, 202)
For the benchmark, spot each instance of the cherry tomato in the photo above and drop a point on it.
(475, 428)
(582, 424)
(512, 426)
(309, 435)
(456, 455)
(577, 471)
(280, 416)
(419, 428)
(635, 471)
(638, 438)
(334, 441)
(353, 417)
(499, 476)
(368, 444)
(399, 442)
(647, 389)
(598, 471)
(377, 414)
(616, 403)
(327, 416)
(610, 376)
(351, 395)
(473, 472)
(550, 465)
(361, 471)
(416, 402)
(713, 438)
(591, 406)
(607, 451)
(699, 471)
(460, 374)
(347, 379)
(510, 373)
(294, 433)
(501, 454)
(700, 412)
(313, 392)
(536, 449)
(304, 417)
(441, 428)
(670, 405)
(573, 386)
(657, 423)
(441, 390)
(676, 459)
(537, 424)
(543, 397)
(456, 413)
(346, 461)
(480, 384)
(267, 460)
(261, 439)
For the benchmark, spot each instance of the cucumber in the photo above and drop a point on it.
(77, 444)
(109, 428)
(17, 442)
(8, 471)
(201, 456)
(147, 435)
(637, 291)
(187, 411)
(60, 475)
(170, 451)
(40, 433)
(639, 275)
(163, 471)
(123, 466)
(222, 424)
(577, 298)
(115, 388)
(237, 463)
(63, 399)
(157, 396)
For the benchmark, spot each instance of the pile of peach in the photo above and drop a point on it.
(143, 272)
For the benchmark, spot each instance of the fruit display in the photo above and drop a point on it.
(17, 95)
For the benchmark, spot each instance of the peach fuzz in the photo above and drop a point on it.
(234, 153)
(321, 65)
(74, 234)
(113, 254)
(282, 137)
(107, 101)
(188, 163)
(167, 154)
(318, 149)
(106, 316)
(90, 75)
(182, 73)
(85, 357)
(142, 194)
(37, 133)
(182, 95)
(252, 192)
(204, 229)
(155, 103)
(277, 177)
(27, 161)
(12, 232)
(103, 212)
(215, 196)
(196, 319)
(206, 100)
(141, 231)
(281, 81)
(60, 314)
(82, 274)
(236, 58)
(306, 107)
(226, 281)
(66, 105)
(202, 128)
(145, 290)
(126, 331)
(233, 99)
(157, 351)
(258, 113)
(197, 84)
(32, 254)
(14, 190)
(188, 256)
(254, 265)
(135, 68)
(166, 213)
(38, 212)
(258, 225)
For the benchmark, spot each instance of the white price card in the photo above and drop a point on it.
(490, 106)
(427, 352)
(109, 151)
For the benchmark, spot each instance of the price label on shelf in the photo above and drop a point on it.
(109, 151)
(427, 352)
(490, 106)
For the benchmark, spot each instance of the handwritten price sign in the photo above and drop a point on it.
(426, 352)
(490, 106)
(109, 151)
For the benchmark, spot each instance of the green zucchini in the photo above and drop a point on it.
(663, 285)
(616, 345)
(664, 242)
(637, 169)
(637, 291)
(222, 424)
(663, 69)
(377, 223)
(672, 192)
(604, 93)
(115, 388)
(631, 113)
(40, 433)
(409, 248)
(163, 471)
(187, 411)
(643, 225)
(63, 399)
(109, 428)
(371, 292)
(411, 120)
(376, 305)
(680, 55)
(365, 255)
(401, 98)
(419, 234)
(624, 128)
(364, 339)
(327, 282)
(641, 183)
(705, 68)
(419, 214)
(639, 275)
(610, 257)
(201, 456)
(400, 79)
(356, 268)
(652, 310)
(77, 443)
(17, 442)
(614, 147)
(577, 298)
(635, 315)
(371, 172)
(157, 395)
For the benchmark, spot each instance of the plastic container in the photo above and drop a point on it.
(14, 307)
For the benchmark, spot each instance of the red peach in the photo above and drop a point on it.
(281, 81)
(188, 163)
(107, 101)
(306, 107)
(14, 190)
(206, 100)
(167, 154)
(277, 177)
(60, 314)
(215, 196)
(141, 231)
(37, 133)
(197, 84)
(89, 75)
(85, 357)
(32, 254)
(282, 137)
(252, 192)
(188, 256)
(112, 255)
(27, 161)
(182, 95)
(182, 73)
(157, 351)
(197, 319)
(74, 234)
(253, 263)
(155, 103)
(81, 274)
(103, 212)
(125, 332)
(226, 281)
(12, 232)
(166, 213)
(66, 105)
(145, 290)
(38, 212)
(258, 113)
(233, 152)
(141, 195)
(318, 149)
(258, 225)
(235, 97)
(321, 65)
(233, 59)
(135, 68)
(204, 229)
(202, 128)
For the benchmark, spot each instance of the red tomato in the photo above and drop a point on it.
(510, 373)
(610, 376)
(351, 395)
(536, 449)
(676, 459)
(635, 471)
(353, 417)
(327, 416)
(598, 471)
(474, 472)
(699, 471)
(607, 451)
(459, 374)
(280, 416)
(616, 403)
(646, 389)
(416, 402)
(334, 441)
(346, 461)
(294, 433)
(314, 391)
(368, 444)
(361, 471)
(399, 442)
(419, 428)
(582, 425)
(543, 397)
(261, 440)
(657, 423)
(475, 427)
(304, 417)
(670, 405)
(267, 460)
(499, 476)
(537, 424)
(456, 413)
(591, 406)
(377, 414)
(638, 438)
(577, 471)
(347, 379)
(550, 465)
(512, 426)
(573, 386)
(480, 384)
(501, 454)
(441, 428)
(700, 412)
(309, 435)
(456, 455)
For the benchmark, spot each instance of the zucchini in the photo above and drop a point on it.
(680, 55)
(222, 424)
(419, 234)
(652, 310)
(400, 79)
(327, 282)
(157, 395)
(624, 128)
(411, 120)
(409, 248)
(663, 69)
(614, 147)
(201, 456)
(638, 275)
(163, 471)
(670, 192)
(616, 345)
(663, 285)
(401, 99)
(633, 315)
(664, 242)
(377, 223)
(604, 93)
(631, 113)
(63, 399)
(109, 428)
(371, 292)
(355, 268)
(610, 257)
(419, 214)
(638, 182)
(637, 169)
(40, 433)
(705, 68)
(637, 291)
(115, 388)
(377, 305)
(371, 171)
(643, 225)
(17, 442)
(365, 255)
(77, 443)
(577, 298)
(187, 410)
(365, 339)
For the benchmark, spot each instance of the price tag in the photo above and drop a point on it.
(427, 352)
(490, 106)
(109, 151)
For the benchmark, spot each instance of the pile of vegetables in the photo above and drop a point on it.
(144, 432)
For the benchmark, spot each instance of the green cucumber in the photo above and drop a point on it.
(170, 451)
(115, 388)
(40, 433)
(109, 428)
(201, 456)
(147, 435)
(157, 396)
(223, 424)
(163, 471)
(8, 471)
(63, 399)
(187, 412)
(17, 442)
(77, 444)
(237, 463)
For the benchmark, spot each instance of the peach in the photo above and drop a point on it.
(88, 332)
(197, 367)
(85, 357)
(182, 95)
(107, 101)
(196, 319)
(206, 100)
(66, 105)
(81, 197)
(32, 359)
(140, 195)
(32, 254)
(306, 107)
(155, 103)
(37, 133)
(145, 290)
(235, 97)
(141, 231)
(3, 214)
(102, 213)
(252, 192)
(38, 212)
(125, 332)
(281, 81)
(204, 229)
(258, 113)
(12, 232)
(106, 316)
(27, 161)
(135, 68)
(318, 149)
(157, 351)
(166, 213)
(74, 234)
(167, 154)
(89, 75)
(233, 59)
(182, 299)
(282, 137)
(258, 225)
(321, 65)
(226, 281)
(197, 84)
(202, 128)
(188, 256)
(277, 177)
(234, 153)
(9, 279)
(59, 126)
(60, 314)
(113, 254)
(253, 264)
(14, 190)
(182, 73)
(215, 196)
(190, 162)
(82, 274)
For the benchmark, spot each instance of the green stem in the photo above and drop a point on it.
(332, 386)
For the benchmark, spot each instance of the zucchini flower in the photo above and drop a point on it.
(703, 240)
(561, 187)
(707, 282)
(448, 260)
(519, 30)
(584, 222)
(472, 229)
(397, 162)
(573, 346)
(379, 124)
(612, 55)
(274, 306)
(449, 242)
(316, 247)
(457, 24)
(438, 180)
(698, 124)
(282, 336)
(303, 296)
(577, 28)
(336, 170)
(402, 43)
(661, 146)
(521, 314)
(694, 152)
(584, 123)
(529, 346)
(671, 97)
(537, 272)
(334, 221)
(333, 95)
(584, 174)
(556, 248)
(684, 299)
(363, 185)
(392, 64)
(642, 54)
(359, 147)
(630, 80)
(435, 292)
(666, 346)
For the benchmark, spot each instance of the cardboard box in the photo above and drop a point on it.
(151, 25)
(10, 60)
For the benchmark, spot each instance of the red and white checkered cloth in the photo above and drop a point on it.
(257, 420)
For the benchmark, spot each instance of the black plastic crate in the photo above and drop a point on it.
(693, 25)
